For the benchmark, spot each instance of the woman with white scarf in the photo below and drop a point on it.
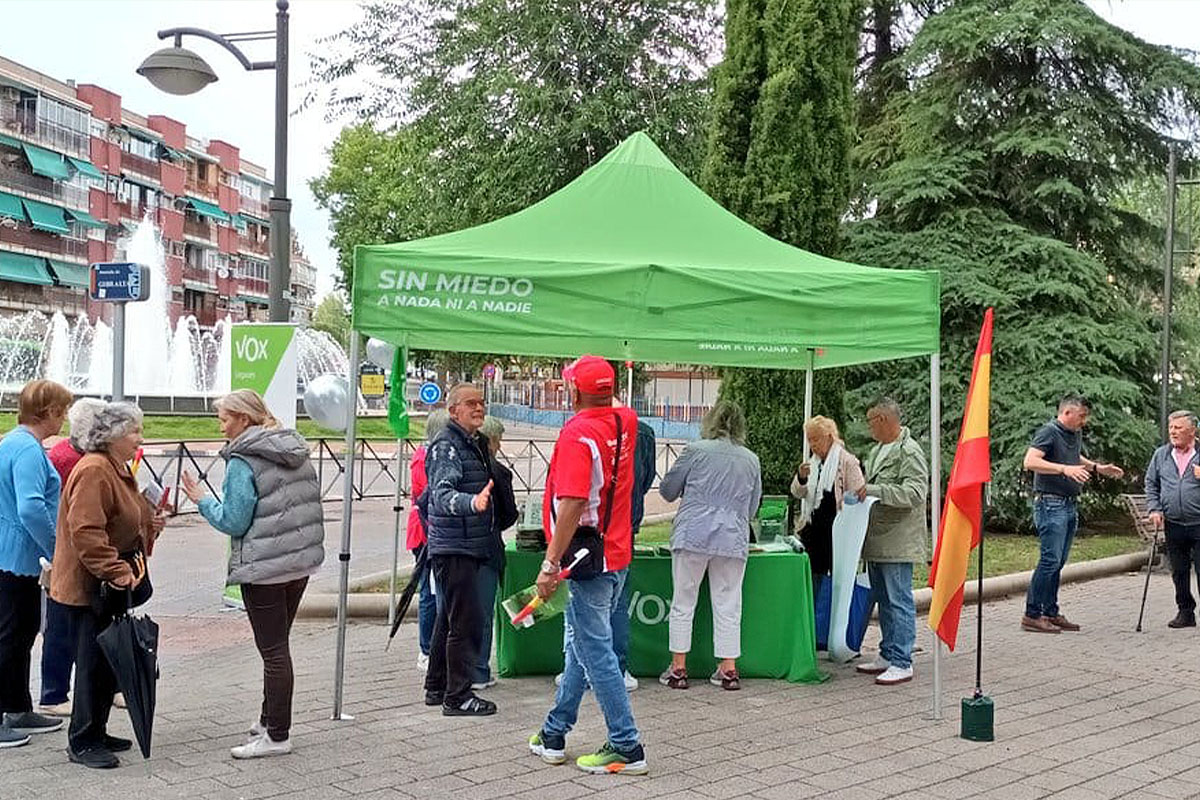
(821, 484)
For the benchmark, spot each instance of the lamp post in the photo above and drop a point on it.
(176, 70)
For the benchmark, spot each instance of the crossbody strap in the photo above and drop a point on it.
(612, 486)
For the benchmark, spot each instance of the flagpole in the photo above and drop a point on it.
(979, 598)
(935, 495)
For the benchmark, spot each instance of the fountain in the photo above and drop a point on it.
(185, 361)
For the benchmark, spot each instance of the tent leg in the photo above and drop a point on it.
(935, 498)
(396, 509)
(347, 512)
(808, 394)
(629, 391)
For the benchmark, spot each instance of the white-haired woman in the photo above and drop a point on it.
(720, 483)
(271, 510)
(821, 484)
(435, 423)
(106, 530)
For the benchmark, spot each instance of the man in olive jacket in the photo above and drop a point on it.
(898, 475)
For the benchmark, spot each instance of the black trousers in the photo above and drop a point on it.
(95, 683)
(458, 629)
(20, 619)
(272, 609)
(1183, 548)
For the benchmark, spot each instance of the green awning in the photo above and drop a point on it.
(259, 220)
(24, 269)
(251, 298)
(46, 217)
(239, 221)
(10, 141)
(77, 275)
(86, 167)
(171, 153)
(84, 218)
(10, 206)
(46, 163)
(210, 210)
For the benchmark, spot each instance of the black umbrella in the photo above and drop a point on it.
(131, 646)
(414, 583)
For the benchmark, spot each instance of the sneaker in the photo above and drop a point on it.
(631, 683)
(893, 675)
(558, 679)
(674, 678)
(479, 687)
(471, 707)
(880, 664)
(262, 747)
(433, 698)
(423, 662)
(62, 709)
(94, 758)
(258, 729)
(607, 760)
(119, 700)
(1039, 625)
(1062, 623)
(726, 680)
(31, 722)
(12, 738)
(1183, 620)
(551, 749)
(115, 744)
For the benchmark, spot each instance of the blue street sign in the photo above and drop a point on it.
(431, 393)
(120, 282)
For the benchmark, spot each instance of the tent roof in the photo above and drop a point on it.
(632, 260)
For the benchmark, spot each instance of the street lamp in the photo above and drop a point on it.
(176, 70)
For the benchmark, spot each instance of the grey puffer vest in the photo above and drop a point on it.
(286, 538)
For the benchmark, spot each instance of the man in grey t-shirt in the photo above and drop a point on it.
(1059, 473)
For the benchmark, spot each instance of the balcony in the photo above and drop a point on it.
(204, 275)
(44, 243)
(255, 287)
(255, 208)
(60, 193)
(258, 247)
(139, 165)
(47, 299)
(135, 213)
(198, 189)
(23, 121)
(199, 229)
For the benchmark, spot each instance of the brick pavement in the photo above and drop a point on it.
(1101, 714)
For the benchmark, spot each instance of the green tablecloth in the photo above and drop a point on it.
(778, 630)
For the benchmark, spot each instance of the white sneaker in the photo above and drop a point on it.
(257, 730)
(558, 679)
(479, 687)
(62, 709)
(118, 700)
(880, 664)
(261, 747)
(893, 675)
(631, 682)
(423, 662)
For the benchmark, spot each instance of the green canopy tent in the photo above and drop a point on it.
(632, 261)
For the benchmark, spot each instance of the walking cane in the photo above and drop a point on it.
(1146, 587)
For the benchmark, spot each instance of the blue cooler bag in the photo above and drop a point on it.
(860, 612)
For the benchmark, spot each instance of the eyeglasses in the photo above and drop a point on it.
(471, 403)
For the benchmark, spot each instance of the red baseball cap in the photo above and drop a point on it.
(591, 374)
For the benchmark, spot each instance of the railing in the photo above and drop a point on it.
(60, 192)
(192, 272)
(148, 167)
(255, 208)
(199, 229)
(201, 189)
(24, 235)
(251, 246)
(254, 286)
(27, 297)
(24, 121)
(136, 212)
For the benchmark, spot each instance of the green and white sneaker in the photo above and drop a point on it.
(551, 749)
(608, 760)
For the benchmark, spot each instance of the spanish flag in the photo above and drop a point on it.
(962, 515)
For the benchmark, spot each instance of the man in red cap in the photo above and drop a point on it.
(588, 498)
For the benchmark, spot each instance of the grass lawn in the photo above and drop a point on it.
(192, 428)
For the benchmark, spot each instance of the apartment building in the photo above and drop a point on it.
(78, 172)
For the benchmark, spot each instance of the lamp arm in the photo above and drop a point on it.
(179, 33)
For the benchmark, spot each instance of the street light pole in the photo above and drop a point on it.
(1168, 278)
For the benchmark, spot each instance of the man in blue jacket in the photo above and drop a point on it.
(1173, 499)
(458, 524)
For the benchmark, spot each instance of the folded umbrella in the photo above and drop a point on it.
(131, 646)
(405, 599)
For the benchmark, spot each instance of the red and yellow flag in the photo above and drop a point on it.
(962, 515)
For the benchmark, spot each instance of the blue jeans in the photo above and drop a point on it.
(1056, 519)
(58, 652)
(620, 627)
(426, 611)
(485, 585)
(891, 589)
(592, 660)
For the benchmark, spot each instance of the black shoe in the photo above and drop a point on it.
(94, 758)
(115, 744)
(471, 707)
(433, 698)
(30, 722)
(1184, 619)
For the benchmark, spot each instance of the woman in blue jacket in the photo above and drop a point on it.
(29, 489)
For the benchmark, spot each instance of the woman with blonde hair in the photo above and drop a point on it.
(821, 484)
(272, 513)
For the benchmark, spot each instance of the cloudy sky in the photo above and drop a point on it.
(103, 41)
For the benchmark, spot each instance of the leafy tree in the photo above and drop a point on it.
(1002, 165)
(331, 316)
(778, 156)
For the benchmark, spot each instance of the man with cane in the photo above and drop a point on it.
(1173, 500)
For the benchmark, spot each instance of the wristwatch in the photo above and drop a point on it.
(549, 568)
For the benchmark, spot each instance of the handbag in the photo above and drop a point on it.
(591, 537)
(116, 600)
(860, 613)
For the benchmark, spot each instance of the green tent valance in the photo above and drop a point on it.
(632, 261)
(24, 269)
(86, 167)
(76, 275)
(10, 206)
(84, 218)
(46, 163)
(238, 221)
(207, 209)
(46, 217)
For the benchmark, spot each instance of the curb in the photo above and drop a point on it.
(375, 605)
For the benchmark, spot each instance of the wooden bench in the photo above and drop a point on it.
(1135, 504)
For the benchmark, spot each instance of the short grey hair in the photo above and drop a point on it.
(435, 423)
(81, 415)
(455, 395)
(492, 428)
(1185, 414)
(888, 406)
(724, 420)
(111, 423)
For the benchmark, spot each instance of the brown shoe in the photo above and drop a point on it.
(1063, 623)
(1039, 625)
(674, 678)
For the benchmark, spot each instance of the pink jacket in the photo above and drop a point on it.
(416, 531)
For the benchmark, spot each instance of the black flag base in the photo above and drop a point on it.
(978, 716)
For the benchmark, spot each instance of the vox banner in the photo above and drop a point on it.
(264, 359)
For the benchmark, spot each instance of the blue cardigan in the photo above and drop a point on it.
(29, 489)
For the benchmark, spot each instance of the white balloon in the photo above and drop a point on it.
(327, 401)
(380, 353)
